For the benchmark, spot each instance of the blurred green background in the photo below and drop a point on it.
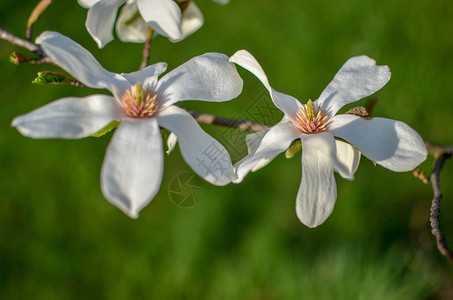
(60, 239)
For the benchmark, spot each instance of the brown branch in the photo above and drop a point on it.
(146, 49)
(5, 35)
(441, 154)
(44, 60)
(435, 207)
(437, 150)
(19, 58)
(34, 16)
(240, 124)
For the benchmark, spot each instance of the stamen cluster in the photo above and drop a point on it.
(310, 119)
(139, 102)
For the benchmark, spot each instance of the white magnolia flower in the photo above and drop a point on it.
(133, 165)
(165, 17)
(391, 144)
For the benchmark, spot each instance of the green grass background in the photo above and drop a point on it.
(60, 239)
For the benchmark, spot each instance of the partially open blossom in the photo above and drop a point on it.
(133, 165)
(391, 144)
(173, 19)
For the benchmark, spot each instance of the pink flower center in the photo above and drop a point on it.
(311, 119)
(140, 102)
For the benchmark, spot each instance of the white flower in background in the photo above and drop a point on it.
(165, 17)
(391, 144)
(133, 165)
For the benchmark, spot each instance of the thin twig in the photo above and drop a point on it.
(44, 60)
(19, 58)
(437, 150)
(5, 35)
(146, 49)
(34, 16)
(435, 207)
(240, 124)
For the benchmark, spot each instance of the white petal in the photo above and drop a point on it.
(164, 16)
(142, 75)
(101, 19)
(359, 77)
(208, 77)
(317, 192)
(151, 84)
(171, 142)
(192, 19)
(133, 165)
(392, 144)
(288, 104)
(87, 3)
(276, 140)
(69, 118)
(78, 62)
(348, 156)
(129, 26)
(253, 140)
(207, 157)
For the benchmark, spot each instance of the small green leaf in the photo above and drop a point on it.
(293, 150)
(106, 129)
(47, 77)
(18, 58)
(12, 58)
